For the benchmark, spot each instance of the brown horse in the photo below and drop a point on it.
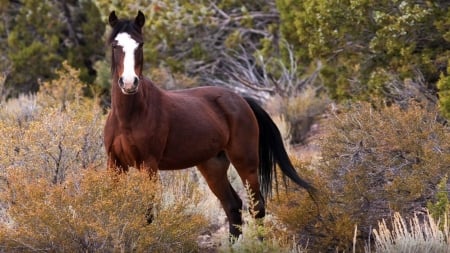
(207, 127)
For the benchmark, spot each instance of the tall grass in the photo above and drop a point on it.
(419, 234)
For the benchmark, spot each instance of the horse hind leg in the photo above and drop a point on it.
(246, 164)
(215, 172)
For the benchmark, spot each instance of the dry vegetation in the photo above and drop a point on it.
(374, 161)
(55, 194)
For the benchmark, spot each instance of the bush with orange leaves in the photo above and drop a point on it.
(94, 211)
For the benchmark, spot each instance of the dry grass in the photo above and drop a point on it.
(416, 235)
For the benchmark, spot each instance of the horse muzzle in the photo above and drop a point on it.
(129, 87)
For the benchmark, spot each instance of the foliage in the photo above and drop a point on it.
(260, 236)
(359, 43)
(53, 133)
(356, 40)
(444, 92)
(40, 35)
(441, 205)
(302, 111)
(374, 160)
(383, 159)
(416, 235)
(93, 211)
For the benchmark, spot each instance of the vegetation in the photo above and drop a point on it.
(375, 161)
(414, 235)
(362, 44)
(375, 77)
(94, 211)
(35, 45)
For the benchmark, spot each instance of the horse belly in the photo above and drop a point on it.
(190, 151)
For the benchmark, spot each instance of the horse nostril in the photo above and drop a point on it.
(136, 81)
(121, 83)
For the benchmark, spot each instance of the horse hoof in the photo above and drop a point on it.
(149, 218)
(149, 214)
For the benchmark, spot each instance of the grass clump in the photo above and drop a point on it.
(421, 233)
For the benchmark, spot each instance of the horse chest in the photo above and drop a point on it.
(133, 148)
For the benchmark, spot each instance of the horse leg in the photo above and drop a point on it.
(246, 164)
(150, 166)
(215, 173)
(115, 165)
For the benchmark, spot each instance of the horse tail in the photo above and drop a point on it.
(272, 152)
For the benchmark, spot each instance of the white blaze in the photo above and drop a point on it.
(128, 46)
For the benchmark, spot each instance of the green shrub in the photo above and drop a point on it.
(94, 211)
(441, 206)
(444, 92)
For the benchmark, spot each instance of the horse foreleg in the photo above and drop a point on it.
(114, 165)
(150, 167)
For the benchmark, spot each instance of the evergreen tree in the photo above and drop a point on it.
(42, 34)
(194, 37)
(364, 43)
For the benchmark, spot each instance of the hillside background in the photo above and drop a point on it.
(361, 91)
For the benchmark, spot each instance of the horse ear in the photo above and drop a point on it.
(140, 19)
(113, 19)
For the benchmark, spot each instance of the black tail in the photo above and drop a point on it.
(272, 152)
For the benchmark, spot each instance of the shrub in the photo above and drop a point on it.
(444, 92)
(316, 224)
(54, 132)
(441, 206)
(301, 112)
(94, 211)
(374, 160)
(261, 235)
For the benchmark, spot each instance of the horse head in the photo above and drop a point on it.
(127, 58)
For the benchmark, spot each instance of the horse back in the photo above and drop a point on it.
(203, 121)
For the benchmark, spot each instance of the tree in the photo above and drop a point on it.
(363, 43)
(194, 37)
(41, 34)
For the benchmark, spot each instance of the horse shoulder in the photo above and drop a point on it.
(109, 130)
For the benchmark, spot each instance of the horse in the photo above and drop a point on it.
(208, 127)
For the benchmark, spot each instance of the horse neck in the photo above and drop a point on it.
(133, 107)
